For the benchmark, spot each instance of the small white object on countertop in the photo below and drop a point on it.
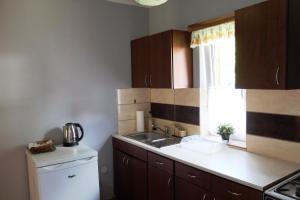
(61, 155)
(140, 121)
(240, 166)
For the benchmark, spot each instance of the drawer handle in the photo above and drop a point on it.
(277, 73)
(159, 163)
(127, 161)
(191, 176)
(169, 181)
(123, 160)
(233, 193)
(71, 176)
(204, 197)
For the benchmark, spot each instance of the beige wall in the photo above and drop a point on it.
(274, 102)
(61, 61)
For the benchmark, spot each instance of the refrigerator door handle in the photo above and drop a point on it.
(67, 164)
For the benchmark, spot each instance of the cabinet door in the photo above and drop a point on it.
(138, 178)
(161, 60)
(140, 63)
(160, 184)
(121, 176)
(261, 32)
(185, 190)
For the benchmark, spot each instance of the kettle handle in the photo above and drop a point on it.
(82, 132)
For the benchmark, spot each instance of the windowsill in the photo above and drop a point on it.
(232, 143)
(238, 144)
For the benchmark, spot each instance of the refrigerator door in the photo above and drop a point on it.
(77, 180)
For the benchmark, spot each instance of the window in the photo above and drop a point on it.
(220, 102)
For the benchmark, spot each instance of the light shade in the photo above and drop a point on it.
(151, 2)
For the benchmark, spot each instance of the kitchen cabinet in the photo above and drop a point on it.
(140, 63)
(186, 190)
(130, 176)
(140, 174)
(228, 190)
(160, 184)
(267, 41)
(160, 178)
(162, 60)
(191, 183)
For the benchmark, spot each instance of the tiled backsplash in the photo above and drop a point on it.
(169, 108)
(273, 116)
(176, 107)
(273, 123)
(130, 101)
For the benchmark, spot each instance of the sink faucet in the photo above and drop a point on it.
(165, 130)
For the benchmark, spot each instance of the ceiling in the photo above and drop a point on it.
(128, 2)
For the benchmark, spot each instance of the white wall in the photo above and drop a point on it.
(178, 14)
(61, 61)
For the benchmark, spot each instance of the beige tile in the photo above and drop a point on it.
(187, 97)
(274, 101)
(191, 129)
(280, 149)
(128, 111)
(126, 127)
(165, 96)
(133, 95)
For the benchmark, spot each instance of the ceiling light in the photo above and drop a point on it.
(151, 2)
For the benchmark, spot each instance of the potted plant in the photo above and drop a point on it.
(225, 130)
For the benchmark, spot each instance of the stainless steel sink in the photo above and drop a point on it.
(155, 139)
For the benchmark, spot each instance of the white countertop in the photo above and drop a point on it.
(62, 155)
(240, 166)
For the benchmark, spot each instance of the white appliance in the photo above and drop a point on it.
(68, 173)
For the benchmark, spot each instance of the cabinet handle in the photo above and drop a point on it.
(233, 193)
(277, 74)
(204, 197)
(191, 176)
(127, 161)
(150, 79)
(169, 181)
(123, 160)
(146, 82)
(159, 163)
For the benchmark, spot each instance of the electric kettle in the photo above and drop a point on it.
(71, 134)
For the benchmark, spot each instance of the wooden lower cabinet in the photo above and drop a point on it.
(142, 175)
(160, 184)
(188, 191)
(130, 177)
(223, 189)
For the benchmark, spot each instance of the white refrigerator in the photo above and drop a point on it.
(69, 173)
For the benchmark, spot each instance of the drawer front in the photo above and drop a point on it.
(224, 189)
(130, 149)
(195, 176)
(187, 191)
(160, 162)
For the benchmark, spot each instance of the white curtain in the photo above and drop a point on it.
(220, 102)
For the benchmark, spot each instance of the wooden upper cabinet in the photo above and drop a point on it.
(163, 60)
(140, 54)
(267, 35)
